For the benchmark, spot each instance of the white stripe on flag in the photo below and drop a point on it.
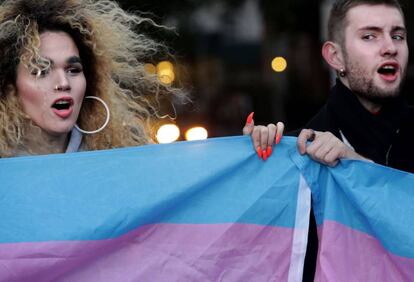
(300, 234)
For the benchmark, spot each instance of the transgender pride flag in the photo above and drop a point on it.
(191, 211)
(365, 217)
(201, 211)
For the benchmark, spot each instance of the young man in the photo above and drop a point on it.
(365, 117)
(365, 113)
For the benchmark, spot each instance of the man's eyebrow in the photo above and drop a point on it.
(370, 28)
(378, 29)
(399, 28)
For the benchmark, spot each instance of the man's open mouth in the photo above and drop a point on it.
(388, 69)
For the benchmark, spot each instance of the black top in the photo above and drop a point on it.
(384, 138)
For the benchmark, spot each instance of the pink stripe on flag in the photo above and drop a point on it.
(347, 255)
(161, 252)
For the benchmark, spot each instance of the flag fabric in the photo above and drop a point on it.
(190, 211)
(365, 218)
(201, 211)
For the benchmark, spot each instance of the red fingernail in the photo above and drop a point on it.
(259, 152)
(269, 151)
(264, 155)
(278, 137)
(250, 118)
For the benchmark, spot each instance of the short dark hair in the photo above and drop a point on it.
(337, 17)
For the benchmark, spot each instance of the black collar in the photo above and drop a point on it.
(370, 135)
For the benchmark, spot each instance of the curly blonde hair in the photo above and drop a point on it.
(112, 53)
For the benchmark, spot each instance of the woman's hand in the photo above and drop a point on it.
(324, 147)
(263, 137)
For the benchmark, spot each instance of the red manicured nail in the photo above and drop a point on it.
(259, 152)
(250, 118)
(264, 155)
(269, 151)
(278, 137)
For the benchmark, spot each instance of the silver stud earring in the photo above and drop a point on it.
(342, 72)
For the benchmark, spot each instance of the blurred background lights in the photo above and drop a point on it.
(196, 133)
(168, 133)
(150, 68)
(279, 64)
(165, 72)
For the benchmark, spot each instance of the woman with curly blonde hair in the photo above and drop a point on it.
(69, 68)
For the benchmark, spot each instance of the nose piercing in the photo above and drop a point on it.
(61, 88)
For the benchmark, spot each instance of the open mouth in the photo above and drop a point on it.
(388, 71)
(62, 104)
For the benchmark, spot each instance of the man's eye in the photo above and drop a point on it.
(398, 37)
(368, 37)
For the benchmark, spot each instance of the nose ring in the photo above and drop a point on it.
(61, 88)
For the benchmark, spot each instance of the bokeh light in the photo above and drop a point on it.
(168, 133)
(279, 64)
(150, 68)
(196, 133)
(165, 72)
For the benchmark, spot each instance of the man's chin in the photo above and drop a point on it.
(383, 97)
(387, 88)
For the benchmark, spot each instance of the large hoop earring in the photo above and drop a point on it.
(106, 121)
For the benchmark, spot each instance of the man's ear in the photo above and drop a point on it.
(332, 53)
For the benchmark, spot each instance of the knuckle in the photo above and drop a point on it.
(263, 130)
(271, 126)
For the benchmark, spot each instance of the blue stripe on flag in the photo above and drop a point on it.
(65, 196)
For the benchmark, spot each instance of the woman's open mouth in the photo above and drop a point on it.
(62, 107)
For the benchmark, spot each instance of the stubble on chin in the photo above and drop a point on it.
(363, 84)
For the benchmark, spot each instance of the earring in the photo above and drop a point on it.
(106, 121)
(342, 72)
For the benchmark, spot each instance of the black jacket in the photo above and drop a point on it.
(386, 138)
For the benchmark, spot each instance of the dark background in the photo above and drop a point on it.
(224, 51)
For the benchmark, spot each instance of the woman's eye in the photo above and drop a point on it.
(40, 73)
(74, 70)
